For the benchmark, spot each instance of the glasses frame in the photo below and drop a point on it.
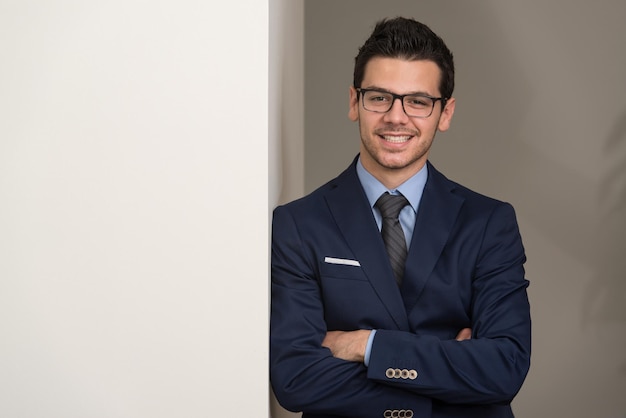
(362, 91)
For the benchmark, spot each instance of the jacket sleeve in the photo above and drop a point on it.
(304, 375)
(489, 368)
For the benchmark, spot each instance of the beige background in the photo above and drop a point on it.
(541, 123)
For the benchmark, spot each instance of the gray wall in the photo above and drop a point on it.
(540, 122)
(286, 117)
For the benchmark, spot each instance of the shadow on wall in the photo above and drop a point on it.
(607, 292)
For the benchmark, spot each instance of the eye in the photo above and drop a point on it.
(418, 101)
(377, 97)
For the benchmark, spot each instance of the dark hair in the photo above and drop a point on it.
(407, 39)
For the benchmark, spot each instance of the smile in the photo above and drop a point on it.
(396, 139)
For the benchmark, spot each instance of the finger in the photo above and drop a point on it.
(330, 338)
(464, 334)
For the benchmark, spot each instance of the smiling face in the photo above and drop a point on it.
(395, 146)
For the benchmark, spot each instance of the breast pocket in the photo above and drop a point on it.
(350, 301)
(341, 270)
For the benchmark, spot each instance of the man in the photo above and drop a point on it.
(357, 329)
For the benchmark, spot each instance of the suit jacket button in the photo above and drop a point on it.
(389, 373)
(404, 373)
(412, 374)
(387, 413)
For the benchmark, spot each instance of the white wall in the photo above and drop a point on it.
(122, 291)
(540, 122)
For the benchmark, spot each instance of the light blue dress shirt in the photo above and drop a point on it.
(412, 190)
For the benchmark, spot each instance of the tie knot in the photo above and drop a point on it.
(391, 205)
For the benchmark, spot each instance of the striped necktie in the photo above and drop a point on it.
(393, 236)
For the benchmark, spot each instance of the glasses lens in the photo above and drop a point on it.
(418, 105)
(377, 101)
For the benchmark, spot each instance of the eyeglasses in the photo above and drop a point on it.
(414, 105)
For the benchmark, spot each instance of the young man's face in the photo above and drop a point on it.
(395, 146)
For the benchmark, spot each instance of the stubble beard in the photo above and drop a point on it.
(377, 155)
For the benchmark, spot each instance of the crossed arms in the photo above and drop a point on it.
(319, 334)
(350, 345)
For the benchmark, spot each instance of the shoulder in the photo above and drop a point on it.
(317, 198)
(302, 205)
(473, 201)
(439, 180)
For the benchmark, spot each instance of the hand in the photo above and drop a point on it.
(347, 345)
(350, 345)
(464, 334)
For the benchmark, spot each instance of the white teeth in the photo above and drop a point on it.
(396, 139)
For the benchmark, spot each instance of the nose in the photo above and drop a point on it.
(396, 114)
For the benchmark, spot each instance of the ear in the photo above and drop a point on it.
(353, 112)
(446, 115)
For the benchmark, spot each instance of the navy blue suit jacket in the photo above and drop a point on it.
(464, 269)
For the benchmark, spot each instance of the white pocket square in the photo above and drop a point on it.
(344, 261)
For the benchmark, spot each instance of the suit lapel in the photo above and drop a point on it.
(436, 215)
(349, 206)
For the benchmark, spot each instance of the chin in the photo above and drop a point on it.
(399, 163)
(395, 165)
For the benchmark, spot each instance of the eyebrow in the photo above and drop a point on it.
(416, 93)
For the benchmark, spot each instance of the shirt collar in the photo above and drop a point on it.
(412, 189)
